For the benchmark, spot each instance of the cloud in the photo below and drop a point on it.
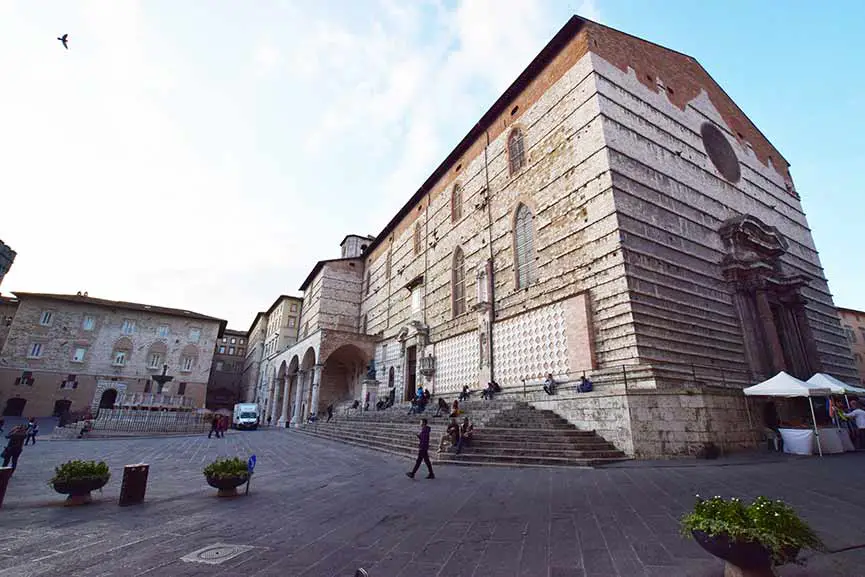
(149, 163)
(589, 9)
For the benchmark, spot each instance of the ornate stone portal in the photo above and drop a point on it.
(770, 305)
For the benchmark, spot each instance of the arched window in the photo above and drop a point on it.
(417, 238)
(524, 247)
(456, 203)
(367, 283)
(458, 283)
(390, 378)
(516, 151)
(363, 323)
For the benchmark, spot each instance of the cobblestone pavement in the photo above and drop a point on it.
(318, 508)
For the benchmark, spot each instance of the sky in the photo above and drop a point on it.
(204, 155)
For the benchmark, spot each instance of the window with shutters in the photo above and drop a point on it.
(525, 266)
(417, 238)
(516, 151)
(458, 283)
(456, 203)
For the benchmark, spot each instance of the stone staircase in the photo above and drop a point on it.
(505, 433)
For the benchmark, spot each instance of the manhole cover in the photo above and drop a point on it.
(216, 554)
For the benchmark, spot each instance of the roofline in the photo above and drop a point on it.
(255, 320)
(276, 302)
(366, 236)
(320, 264)
(535, 67)
(127, 305)
(854, 311)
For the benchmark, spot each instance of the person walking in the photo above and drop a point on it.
(422, 451)
(214, 426)
(329, 412)
(32, 431)
(13, 449)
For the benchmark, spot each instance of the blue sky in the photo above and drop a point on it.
(204, 155)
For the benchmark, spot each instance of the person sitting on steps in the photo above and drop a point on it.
(442, 407)
(467, 430)
(550, 385)
(464, 395)
(489, 392)
(451, 436)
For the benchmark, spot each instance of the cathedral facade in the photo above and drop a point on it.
(614, 214)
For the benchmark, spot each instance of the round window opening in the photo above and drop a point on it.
(720, 152)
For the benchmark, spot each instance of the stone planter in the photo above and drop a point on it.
(745, 559)
(78, 490)
(227, 486)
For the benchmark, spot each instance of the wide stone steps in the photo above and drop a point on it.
(506, 434)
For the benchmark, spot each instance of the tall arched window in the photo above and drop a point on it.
(417, 238)
(516, 151)
(458, 283)
(525, 266)
(456, 203)
(367, 282)
(363, 323)
(390, 378)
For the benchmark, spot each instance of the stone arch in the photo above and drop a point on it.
(121, 352)
(14, 407)
(524, 246)
(108, 399)
(157, 355)
(189, 358)
(279, 390)
(343, 375)
(458, 282)
(516, 150)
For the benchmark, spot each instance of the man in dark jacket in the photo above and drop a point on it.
(16, 444)
(422, 451)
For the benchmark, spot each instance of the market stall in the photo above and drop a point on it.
(786, 386)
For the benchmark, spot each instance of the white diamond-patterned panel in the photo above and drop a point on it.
(457, 363)
(530, 345)
(388, 355)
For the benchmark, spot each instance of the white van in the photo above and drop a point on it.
(246, 416)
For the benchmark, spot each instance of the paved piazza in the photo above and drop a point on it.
(321, 509)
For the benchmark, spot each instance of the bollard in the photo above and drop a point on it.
(5, 475)
(134, 484)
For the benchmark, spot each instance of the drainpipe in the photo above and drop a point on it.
(491, 280)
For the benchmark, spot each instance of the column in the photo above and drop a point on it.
(298, 397)
(286, 389)
(272, 401)
(316, 385)
(773, 342)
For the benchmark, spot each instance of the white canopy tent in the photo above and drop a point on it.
(837, 386)
(783, 385)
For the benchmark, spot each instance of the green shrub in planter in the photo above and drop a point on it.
(226, 469)
(773, 525)
(78, 470)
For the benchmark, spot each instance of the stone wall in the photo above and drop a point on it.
(671, 201)
(66, 332)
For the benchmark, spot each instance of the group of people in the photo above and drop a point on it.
(458, 436)
(551, 385)
(853, 421)
(218, 424)
(19, 437)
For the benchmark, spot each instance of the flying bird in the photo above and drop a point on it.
(63, 39)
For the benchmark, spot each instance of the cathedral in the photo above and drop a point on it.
(614, 215)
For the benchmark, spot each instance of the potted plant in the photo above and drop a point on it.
(752, 537)
(226, 475)
(78, 478)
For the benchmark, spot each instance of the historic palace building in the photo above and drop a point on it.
(614, 214)
(73, 353)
